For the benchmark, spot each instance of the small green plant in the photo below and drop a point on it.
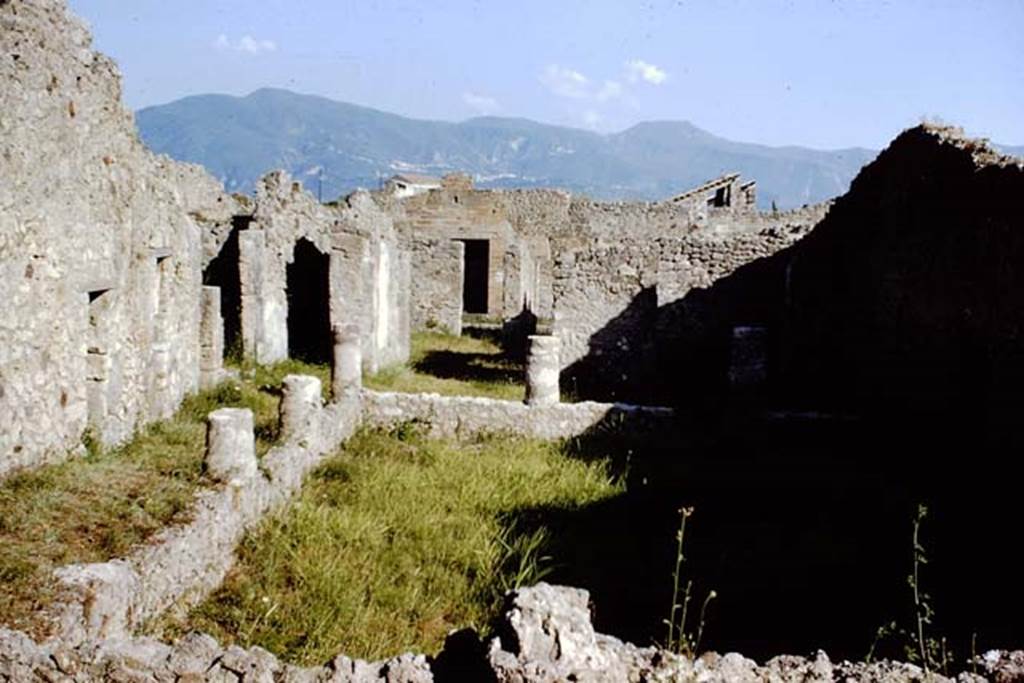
(679, 640)
(919, 646)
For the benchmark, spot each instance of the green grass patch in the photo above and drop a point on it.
(394, 542)
(453, 366)
(97, 507)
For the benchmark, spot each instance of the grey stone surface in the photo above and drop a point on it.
(542, 370)
(544, 635)
(230, 445)
(347, 365)
(99, 261)
(463, 416)
(301, 401)
(182, 564)
(438, 272)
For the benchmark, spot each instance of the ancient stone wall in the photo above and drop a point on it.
(367, 278)
(104, 248)
(618, 303)
(907, 297)
(99, 260)
(437, 277)
(466, 416)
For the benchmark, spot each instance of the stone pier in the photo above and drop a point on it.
(542, 370)
(231, 445)
(211, 338)
(347, 368)
(300, 408)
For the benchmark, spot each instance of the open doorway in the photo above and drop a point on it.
(309, 304)
(477, 276)
(223, 272)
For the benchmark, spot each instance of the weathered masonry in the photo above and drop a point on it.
(105, 249)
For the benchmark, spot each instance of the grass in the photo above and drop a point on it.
(454, 366)
(394, 542)
(98, 507)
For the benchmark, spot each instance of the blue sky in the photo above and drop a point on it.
(819, 73)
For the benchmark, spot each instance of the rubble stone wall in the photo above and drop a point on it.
(464, 416)
(437, 277)
(99, 260)
(182, 564)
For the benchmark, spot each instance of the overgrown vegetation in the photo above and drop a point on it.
(679, 639)
(456, 366)
(97, 507)
(394, 542)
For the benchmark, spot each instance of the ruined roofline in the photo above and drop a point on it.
(709, 185)
(980, 149)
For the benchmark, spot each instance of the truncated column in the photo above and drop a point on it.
(347, 370)
(231, 444)
(300, 408)
(211, 338)
(542, 370)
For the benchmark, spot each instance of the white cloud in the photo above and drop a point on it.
(246, 44)
(481, 103)
(592, 119)
(565, 82)
(609, 91)
(638, 69)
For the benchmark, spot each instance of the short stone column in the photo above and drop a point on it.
(543, 370)
(211, 338)
(300, 408)
(748, 358)
(231, 444)
(347, 369)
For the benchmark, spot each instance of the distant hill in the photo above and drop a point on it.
(240, 138)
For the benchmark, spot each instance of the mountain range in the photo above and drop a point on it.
(334, 147)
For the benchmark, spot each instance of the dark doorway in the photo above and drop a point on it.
(477, 276)
(223, 272)
(309, 305)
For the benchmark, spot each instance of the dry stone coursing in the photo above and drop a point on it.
(99, 260)
(544, 635)
(103, 248)
(437, 277)
(464, 416)
(368, 272)
(534, 228)
(183, 564)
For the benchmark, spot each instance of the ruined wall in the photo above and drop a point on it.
(367, 271)
(627, 307)
(908, 296)
(99, 260)
(437, 276)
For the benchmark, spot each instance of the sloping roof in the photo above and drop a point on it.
(709, 185)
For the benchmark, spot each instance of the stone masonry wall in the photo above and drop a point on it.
(465, 416)
(612, 298)
(368, 271)
(437, 275)
(99, 259)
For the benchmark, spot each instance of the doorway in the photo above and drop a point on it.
(309, 304)
(477, 276)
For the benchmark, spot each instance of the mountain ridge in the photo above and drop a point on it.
(240, 138)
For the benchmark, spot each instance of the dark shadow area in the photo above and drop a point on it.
(223, 272)
(478, 367)
(309, 306)
(895, 357)
(476, 281)
(515, 334)
(803, 527)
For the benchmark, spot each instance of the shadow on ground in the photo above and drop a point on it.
(473, 367)
(803, 528)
